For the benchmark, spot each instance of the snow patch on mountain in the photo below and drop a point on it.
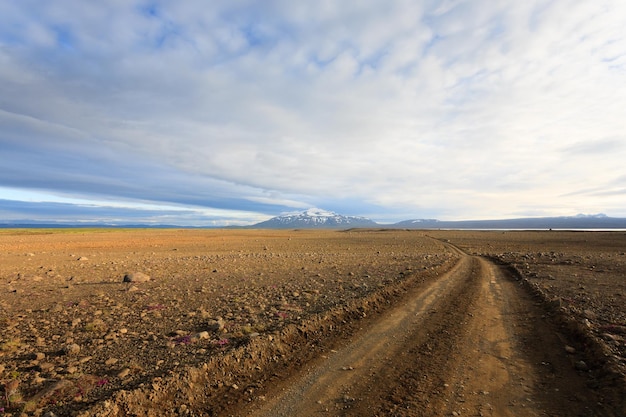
(316, 218)
(590, 216)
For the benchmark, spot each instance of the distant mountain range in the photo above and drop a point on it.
(321, 219)
(316, 218)
(581, 221)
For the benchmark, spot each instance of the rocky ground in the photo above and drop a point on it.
(203, 322)
(74, 332)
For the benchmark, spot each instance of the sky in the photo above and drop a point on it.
(231, 112)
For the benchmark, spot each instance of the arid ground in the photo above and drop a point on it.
(307, 323)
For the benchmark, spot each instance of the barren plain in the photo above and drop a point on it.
(111, 322)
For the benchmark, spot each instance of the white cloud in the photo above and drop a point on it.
(468, 107)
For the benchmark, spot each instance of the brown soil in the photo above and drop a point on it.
(269, 323)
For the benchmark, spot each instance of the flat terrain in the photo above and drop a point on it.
(298, 322)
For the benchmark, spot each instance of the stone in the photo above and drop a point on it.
(97, 325)
(46, 366)
(590, 314)
(203, 335)
(71, 349)
(136, 277)
(581, 366)
(215, 325)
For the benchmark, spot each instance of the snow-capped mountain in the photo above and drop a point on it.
(315, 218)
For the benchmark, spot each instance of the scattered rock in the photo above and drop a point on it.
(97, 325)
(581, 366)
(71, 349)
(203, 335)
(590, 314)
(136, 277)
(46, 366)
(215, 325)
(123, 373)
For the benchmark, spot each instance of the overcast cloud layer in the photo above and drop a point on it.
(387, 109)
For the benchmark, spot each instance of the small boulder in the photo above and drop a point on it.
(203, 335)
(71, 349)
(581, 366)
(215, 325)
(136, 277)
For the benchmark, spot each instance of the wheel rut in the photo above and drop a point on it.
(470, 343)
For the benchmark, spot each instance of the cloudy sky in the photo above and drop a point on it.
(230, 112)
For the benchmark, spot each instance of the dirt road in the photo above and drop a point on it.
(471, 343)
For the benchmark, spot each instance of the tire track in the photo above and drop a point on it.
(471, 343)
(339, 384)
